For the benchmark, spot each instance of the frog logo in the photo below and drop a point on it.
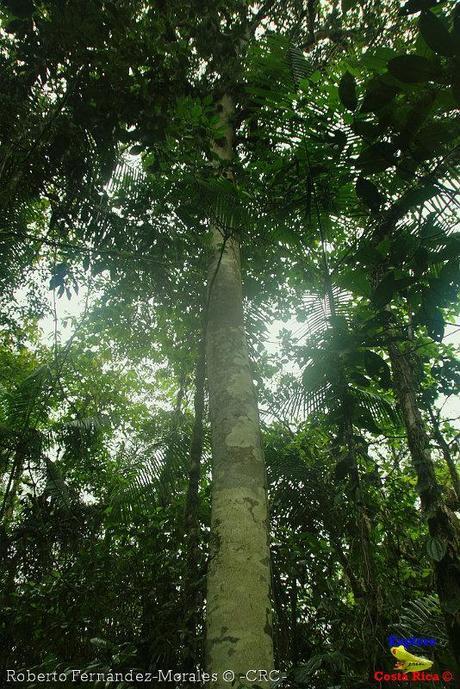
(407, 662)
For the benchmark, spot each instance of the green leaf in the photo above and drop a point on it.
(377, 95)
(98, 267)
(452, 605)
(415, 117)
(136, 150)
(432, 137)
(435, 324)
(413, 69)
(347, 91)
(377, 158)
(364, 420)
(20, 8)
(368, 130)
(456, 20)
(358, 379)
(341, 469)
(377, 367)
(436, 548)
(417, 5)
(377, 58)
(347, 5)
(430, 230)
(356, 281)
(414, 197)
(456, 87)
(436, 34)
(369, 194)
(100, 643)
(384, 291)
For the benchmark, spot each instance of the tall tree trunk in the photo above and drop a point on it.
(239, 628)
(13, 484)
(446, 453)
(191, 521)
(294, 646)
(360, 537)
(361, 543)
(442, 522)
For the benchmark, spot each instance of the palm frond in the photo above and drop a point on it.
(160, 477)
(330, 662)
(57, 488)
(23, 405)
(423, 618)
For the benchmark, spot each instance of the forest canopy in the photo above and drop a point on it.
(229, 323)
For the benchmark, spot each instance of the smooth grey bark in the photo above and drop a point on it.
(239, 627)
(192, 590)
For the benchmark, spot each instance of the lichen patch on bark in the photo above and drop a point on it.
(242, 433)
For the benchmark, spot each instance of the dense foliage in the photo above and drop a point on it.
(342, 194)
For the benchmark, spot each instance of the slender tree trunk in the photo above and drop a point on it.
(360, 536)
(192, 600)
(239, 628)
(446, 453)
(294, 632)
(355, 584)
(13, 485)
(361, 543)
(442, 522)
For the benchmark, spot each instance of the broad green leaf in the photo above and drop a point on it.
(341, 469)
(456, 21)
(414, 197)
(377, 367)
(377, 158)
(384, 291)
(436, 548)
(377, 59)
(434, 321)
(363, 419)
(436, 34)
(369, 193)
(347, 5)
(417, 5)
(347, 91)
(377, 95)
(136, 150)
(20, 8)
(368, 130)
(413, 69)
